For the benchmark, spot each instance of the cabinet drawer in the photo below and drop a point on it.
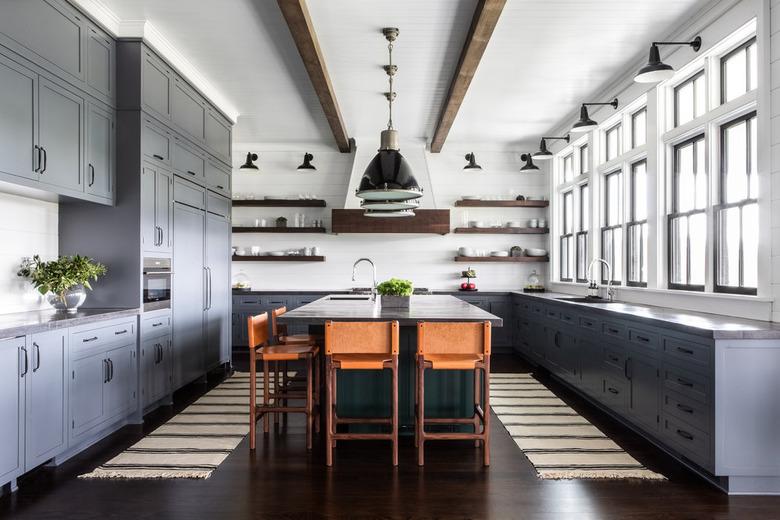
(189, 194)
(156, 143)
(217, 204)
(614, 359)
(687, 410)
(643, 338)
(247, 301)
(586, 322)
(217, 178)
(188, 163)
(614, 393)
(274, 302)
(91, 338)
(156, 326)
(687, 383)
(538, 309)
(689, 441)
(568, 317)
(612, 329)
(687, 351)
(552, 313)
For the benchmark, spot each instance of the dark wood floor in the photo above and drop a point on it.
(282, 481)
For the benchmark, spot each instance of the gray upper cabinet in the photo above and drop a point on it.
(101, 62)
(156, 201)
(46, 430)
(100, 152)
(18, 107)
(156, 142)
(60, 129)
(50, 29)
(156, 85)
(14, 367)
(188, 162)
(188, 111)
(218, 135)
(218, 177)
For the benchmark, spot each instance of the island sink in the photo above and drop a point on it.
(586, 299)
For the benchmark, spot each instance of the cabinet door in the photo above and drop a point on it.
(18, 105)
(101, 51)
(189, 302)
(643, 398)
(188, 163)
(150, 236)
(591, 372)
(60, 129)
(156, 85)
(163, 201)
(46, 432)
(501, 336)
(162, 379)
(85, 398)
(187, 110)
(12, 380)
(218, 290)
(217, 135)
(120, 386)
(100, 152)
(149, 358)
(156, 143)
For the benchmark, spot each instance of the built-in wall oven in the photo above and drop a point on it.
(157, 283)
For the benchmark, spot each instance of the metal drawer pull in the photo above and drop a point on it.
(686, 409)
(684, 434)
(87, 340)
(37, 357)
(158, 157)
(613, 390)
(118, 332)
(684, 382)
(587, 323)
(26, 363)
(613, 331)
(642, 338)
(191, 172)
(158, 324)
(685, 351)
(220, 187)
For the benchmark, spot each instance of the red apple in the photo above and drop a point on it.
(472, 286)
(464, 285)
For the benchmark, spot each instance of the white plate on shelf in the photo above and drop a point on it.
(535, 252)
(470, 197)
(499, 253)
(276, 253)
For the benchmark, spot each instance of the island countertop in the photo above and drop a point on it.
(340, 307)
(23, 323)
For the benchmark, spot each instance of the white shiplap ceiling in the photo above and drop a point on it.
(545, 57)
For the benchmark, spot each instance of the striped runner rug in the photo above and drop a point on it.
(193, 443)
(559, 442)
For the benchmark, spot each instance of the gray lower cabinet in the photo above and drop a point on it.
(156, 357)
(13, 370)
(642, 373)
(88, 375)
(100, 154)
(18, 108)
(60, 136)
(218, 326)
(156, 209)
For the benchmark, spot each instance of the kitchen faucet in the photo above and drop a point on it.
(373, 271)
(592, 281)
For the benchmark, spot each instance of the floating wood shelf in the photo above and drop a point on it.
(268, 258)
(250, 229)
(436, 221)
(471, 259)
(502, 203)
(279, 203)
(502, 230)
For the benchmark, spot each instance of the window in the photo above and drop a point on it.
(639, 128)
(614, 141)
(582, 234)
(567, 237)
(736, 252)
(584, 159)
(567, 168)
(738, 71)
(689, 99)
(636, 228)
(612, 230)
(688, 218)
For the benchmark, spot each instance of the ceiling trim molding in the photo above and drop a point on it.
(150, 34)
(296, 14)
(484, 21)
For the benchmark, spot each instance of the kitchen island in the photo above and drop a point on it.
(364, 393)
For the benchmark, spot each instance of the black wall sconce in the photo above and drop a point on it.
(249, 164)
(529, 165)
(656, 70)
(544, 154)
(307, 165)
(585, 123)
(472, 165)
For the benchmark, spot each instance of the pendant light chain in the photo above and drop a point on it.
(391, 95)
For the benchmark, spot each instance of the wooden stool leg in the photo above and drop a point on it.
(252, 398)
(309, 399)
(317, 392)
(395, 410)
(486, 410)
(328, 413)
(421, 412)
(285, 382)
(416, 404)
(334, 382)
(477, 402)
(276, 391)
(266, 397)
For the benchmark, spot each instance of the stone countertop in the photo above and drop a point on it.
(716, 326)
(422, 308)
(23, 323)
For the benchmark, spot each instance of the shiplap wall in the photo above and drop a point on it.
(425, 259)
(773, 25)
(27, 227)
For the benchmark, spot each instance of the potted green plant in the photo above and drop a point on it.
(63, 281)
(395, 293)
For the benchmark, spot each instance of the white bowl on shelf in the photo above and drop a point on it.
(276, 253)
(499, 253)
(531, 251)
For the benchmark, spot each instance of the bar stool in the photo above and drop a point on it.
(454, 346)
(359, 346)
(259, 349)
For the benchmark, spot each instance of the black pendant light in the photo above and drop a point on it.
(472, 165)
(585, 123)
(249, 164)
(544, 154)
(388, 177)
(307, 165)
(529, 165)
(656, 70)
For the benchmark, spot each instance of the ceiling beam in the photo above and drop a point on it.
(485, 19)
(299, 22)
